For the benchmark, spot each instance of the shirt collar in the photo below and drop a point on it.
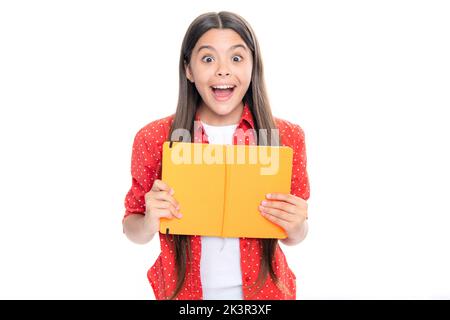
(246, 120)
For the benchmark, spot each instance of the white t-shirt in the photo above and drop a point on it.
(220, 262)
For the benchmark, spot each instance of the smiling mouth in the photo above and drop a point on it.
(222, 93)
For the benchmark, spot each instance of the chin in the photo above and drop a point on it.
(223, 108)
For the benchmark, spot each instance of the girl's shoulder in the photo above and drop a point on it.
(289, 132)
(155, 132)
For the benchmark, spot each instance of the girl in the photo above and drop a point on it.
(221, 91)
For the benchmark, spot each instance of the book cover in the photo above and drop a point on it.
(219, 187)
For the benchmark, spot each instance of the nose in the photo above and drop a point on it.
(223, 71)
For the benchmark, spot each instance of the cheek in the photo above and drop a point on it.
(245, 74)
(245, 77)
(199, 73)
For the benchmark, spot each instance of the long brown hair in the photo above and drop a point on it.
(188, 101)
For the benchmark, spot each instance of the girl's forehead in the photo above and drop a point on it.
(219, 39)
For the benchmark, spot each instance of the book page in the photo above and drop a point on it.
(254, 172)
(197, 174)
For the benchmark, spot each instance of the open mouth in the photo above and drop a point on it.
(223, 92)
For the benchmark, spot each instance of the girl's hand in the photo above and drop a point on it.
(159, 203)
(287, 211)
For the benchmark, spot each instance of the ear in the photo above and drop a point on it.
(188, 72)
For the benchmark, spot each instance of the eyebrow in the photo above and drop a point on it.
(231, 48)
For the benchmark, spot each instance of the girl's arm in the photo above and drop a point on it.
(135, 230)
(159, 203)
(148, 199)
(302, 236)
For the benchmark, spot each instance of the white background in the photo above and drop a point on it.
(368, 81)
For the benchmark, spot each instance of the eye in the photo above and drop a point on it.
(237, 58)
(207, 59)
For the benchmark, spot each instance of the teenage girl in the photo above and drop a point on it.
(221, 90)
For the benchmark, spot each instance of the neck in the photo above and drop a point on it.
(210, 117)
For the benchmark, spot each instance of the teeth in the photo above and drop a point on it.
(223, 87)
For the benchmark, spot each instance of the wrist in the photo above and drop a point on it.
(149, 228)
(298, 236)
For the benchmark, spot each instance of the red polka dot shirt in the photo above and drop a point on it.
(146, 167)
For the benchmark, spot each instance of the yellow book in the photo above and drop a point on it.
(220, 187)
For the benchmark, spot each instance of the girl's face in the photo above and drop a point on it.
(221, 69)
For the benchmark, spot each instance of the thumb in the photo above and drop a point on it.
(160, 185)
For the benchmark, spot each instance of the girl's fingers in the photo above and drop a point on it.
(285, 197)
(167, 205)
(168, 213)
(275, 219)
(159, 185)
(164, 195)
(163, 214)
(281, 205)
(277, 214)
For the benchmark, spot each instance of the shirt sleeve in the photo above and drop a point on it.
(300, 180)
(144, 170)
